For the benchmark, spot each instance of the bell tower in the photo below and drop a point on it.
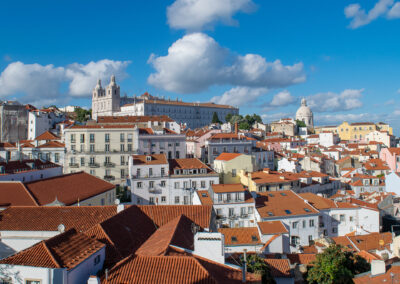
(113, 93)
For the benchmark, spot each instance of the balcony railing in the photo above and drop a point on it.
(155, 191)
(109, 177)
(73, 165)
(109, 165)
(233, 217)
(94, 165)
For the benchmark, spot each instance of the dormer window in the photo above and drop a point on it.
(148, 158)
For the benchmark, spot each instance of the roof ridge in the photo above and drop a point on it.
(203, 268)
(30, 194)
(51, 254)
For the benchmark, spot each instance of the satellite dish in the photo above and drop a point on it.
(61, 228)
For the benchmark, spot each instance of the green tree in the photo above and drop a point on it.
(82, 115)
(244, 125)
(215, 118)
(335, 265)
(257, 265)
(300, 123)
(236, 118)
(257, 118)
(228, 117)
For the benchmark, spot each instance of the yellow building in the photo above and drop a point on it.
(320, 129)
(358, 130)
(228, 165)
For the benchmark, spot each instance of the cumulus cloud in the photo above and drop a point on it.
(359, 17)
(196, 62)
(330, 102)
(194, 15)
(283, 98)
(42, 84)
(239, 96)
(83, 77)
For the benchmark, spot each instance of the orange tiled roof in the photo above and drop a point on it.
(301, 258)
(240, 236)
(272, 227)
(155, 159)
(223, 188)
(204, 197)
(52, 144)
(173, 269)
(227, 156)
(177, 232)
(47, 135)
(68, 189)
(282, 203)
(392, 273)
(320, 202)
(66, 250)
(14, 193)
(188, 163)
(279, 267)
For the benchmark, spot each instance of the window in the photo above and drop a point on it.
(162, 184)
(130, 137)
(72, 137)
(310, 238)
(342, 218)
(294, 240)
(107, 147)
(103, 202)
(231, 212)
(122, 173)
(250, 210)
(151, 184)
(122, 137)
(294, 225)
(176, 185)
(186, 200)
(242, 211)
(139, 184)
(122, 160)
(211, 182)
(151, 200)
(91, 148)
(176, 199)
(56, 157)
(129, 147)
(351, 218)
(311, 223)
(162, 171)
(122, 147)
(241, 224)
(26, 281)
(304, 223)
(194, 184)
(73, 147)
(150, 172)
(91, 137)
(163, 199)
(107, 137)
(92, 172)
(82, 161)
(233, 172)
(288, 212)
(97, 259)
(185, 184)
(203, 184)
(228, 197)
(334, 230)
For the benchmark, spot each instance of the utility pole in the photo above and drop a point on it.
(244, 266)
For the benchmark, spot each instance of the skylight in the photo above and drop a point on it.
(283, 194)
(254, 238)
(233, 239)
(307, 210)
(271, 195)
(288, 211)
(270, 214)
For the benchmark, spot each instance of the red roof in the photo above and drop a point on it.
(227, 156)
(272, 227)
(47, 136)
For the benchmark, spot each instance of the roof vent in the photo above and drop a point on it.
(61, 228)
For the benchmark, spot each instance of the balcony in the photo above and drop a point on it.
(155, 191)
(220, 217)
(73, 165)
(109, 165)
(233, 217)
(109, 178)
(94, 165)
(244, 215)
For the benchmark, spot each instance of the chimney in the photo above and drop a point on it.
(378, 267)
(93, 280)
(236, 128)
(210, 246)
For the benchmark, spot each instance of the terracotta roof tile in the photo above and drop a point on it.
(279, 267)
(13, 193)
(66, 250)
(188, 163)
(320, 202)
(240, 236)
(47, 135)
(68, 189)
(227, 156)
(301, 258)
(272, 227)
(222, 188)
(154, 159)
(282, 203)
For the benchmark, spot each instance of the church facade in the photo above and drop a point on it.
(108, 102)
(305, 114)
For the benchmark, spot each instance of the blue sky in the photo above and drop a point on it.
(342, 57)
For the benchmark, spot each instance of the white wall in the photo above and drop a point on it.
(33, 175)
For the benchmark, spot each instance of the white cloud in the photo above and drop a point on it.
(275, 116)
(396, 112)
(83, 77)
(195, 15)
(394, 12)
(359, 17)
(42, 84)
(196, 62)
(283, 98)
(239, 96)
(346, 100)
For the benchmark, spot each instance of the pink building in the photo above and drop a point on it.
(392, 157)
(195, 140)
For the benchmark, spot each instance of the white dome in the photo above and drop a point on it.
(304, 110)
